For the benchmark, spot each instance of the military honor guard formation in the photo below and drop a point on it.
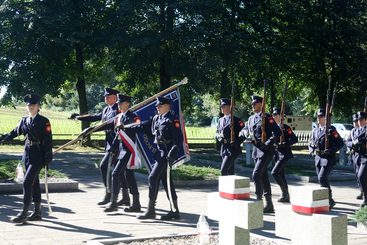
(269, 136)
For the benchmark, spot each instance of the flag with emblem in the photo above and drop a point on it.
(146, 145)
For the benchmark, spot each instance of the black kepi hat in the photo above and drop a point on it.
(162, 100)
(31, 99)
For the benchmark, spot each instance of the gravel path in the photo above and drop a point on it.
(192, 240)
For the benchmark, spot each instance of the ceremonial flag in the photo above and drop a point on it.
(146, 144)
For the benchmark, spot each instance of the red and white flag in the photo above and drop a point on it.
(134, 161)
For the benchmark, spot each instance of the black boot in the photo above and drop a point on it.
(285, 196)
(150, 212)
(37, 214)
(113, 205)
(269, 207)
(106, 199)
(360, 196)
(125, 201)
(136, 205)
(172, 214)
(22, 216)
(364, 203)
(331, 203)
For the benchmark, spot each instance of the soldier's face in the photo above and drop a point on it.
(256, 107)
(33, 109)
(226, 109)
(362, 122)
(321, 120)
(124, 106)
(277, 118)
(163, 108)
(110, 99)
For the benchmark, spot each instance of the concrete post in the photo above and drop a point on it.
(236, 213)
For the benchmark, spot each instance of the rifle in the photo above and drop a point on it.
(328, 111)
(263, 104)
(133, 108)
(233, 136)
(282, 110)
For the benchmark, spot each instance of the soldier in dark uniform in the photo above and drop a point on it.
(167, 135)
(37, 154)
(359, 144)
(325, 159)
(283, 153)
(228, 151)
(263, 152)
(353, 149)
(124, 148)
(110, 111)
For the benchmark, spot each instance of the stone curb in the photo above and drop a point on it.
(182, 183)
(111, 241)
(17, 188)
(139, 238)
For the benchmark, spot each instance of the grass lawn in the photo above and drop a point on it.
(64, 129)
(7, 171)
(188, 171)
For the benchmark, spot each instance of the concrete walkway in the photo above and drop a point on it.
(76, 217)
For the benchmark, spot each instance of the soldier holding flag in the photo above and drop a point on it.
(124, 145)
(167, 133)
(109, 112)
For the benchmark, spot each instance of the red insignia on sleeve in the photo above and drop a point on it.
(271, 120)
(177, 123)
(48, 128)
(289, 131)
(241, 124)
(137, 120)
(336, 135)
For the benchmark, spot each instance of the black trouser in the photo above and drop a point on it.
(104, 167)
(159, 173)
(31, 184)
(260, 174)
(227, 167)
(323, 173)
(278, 173)
(356, 165)
(121, 174)
(32, 158)
(362, 178)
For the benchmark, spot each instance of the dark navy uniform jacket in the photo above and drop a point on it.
(223, 136)
(167, 134)
(359, 154)
(284, 150)
(38, 140)
(272, 133)
(317, 145)
(107, 113)
(125, 119)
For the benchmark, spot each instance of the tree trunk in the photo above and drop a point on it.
(167, 19)
(80, 85)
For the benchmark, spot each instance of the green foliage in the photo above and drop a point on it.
(361, 216)
(7, 170)
(188, 171)
(138, 47)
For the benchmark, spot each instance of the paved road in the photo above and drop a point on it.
(76, 218)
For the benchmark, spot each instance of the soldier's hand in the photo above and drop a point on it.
(120, 126)
(73, 116)
(219, 137)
